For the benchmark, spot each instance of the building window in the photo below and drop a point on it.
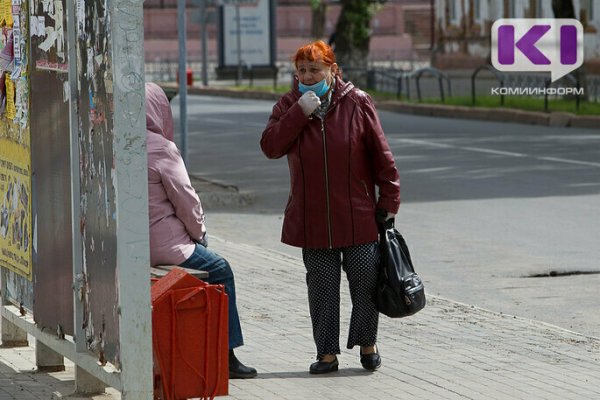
(477, 6)
(591, 10)
(512, 9)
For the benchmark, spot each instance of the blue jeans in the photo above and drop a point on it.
(219, 272)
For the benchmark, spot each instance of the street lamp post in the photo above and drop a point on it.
(181, 30)
(204, 22)
(238, 79)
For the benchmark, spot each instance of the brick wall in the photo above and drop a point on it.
(391, 39)
(295, 20)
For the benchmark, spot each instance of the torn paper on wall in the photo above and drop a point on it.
(48, 6)
(55, 34)
(21, 105)
(80, 17)
(66, 91)
(17, 39)
(37, 25)
(90, 63)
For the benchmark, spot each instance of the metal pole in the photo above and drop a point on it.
(238, 79)
(78, 272)
(204, 20)
(432, 24)
(181, 30)
(130, 181)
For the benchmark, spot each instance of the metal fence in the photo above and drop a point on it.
(426, 83)
(407, 80)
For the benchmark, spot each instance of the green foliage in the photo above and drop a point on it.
(314, 4)
(358, 14)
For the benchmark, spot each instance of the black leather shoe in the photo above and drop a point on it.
(370, 361)
(237, 370)
(324, 367)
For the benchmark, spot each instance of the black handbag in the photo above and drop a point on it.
(400, 291)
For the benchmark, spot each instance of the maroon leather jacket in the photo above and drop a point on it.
(334, 165)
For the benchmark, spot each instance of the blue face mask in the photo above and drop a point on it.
(320, 88)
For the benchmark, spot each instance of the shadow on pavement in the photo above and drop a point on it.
(342, 373)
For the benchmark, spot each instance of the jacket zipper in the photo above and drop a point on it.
(326, 184)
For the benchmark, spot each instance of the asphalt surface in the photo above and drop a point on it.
(485, 208)
(500, 215)
(447, 351)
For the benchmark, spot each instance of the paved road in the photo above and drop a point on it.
(486, 206)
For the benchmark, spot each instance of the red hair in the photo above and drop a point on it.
(317, 51)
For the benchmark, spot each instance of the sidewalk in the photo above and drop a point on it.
(447, 351)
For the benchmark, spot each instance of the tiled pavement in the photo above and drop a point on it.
(447, 351)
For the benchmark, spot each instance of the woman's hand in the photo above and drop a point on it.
(204, 240)
(309, 102)
(384, 218)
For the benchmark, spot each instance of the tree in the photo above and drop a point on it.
(319, 14)
(352, 37)
(563, 9)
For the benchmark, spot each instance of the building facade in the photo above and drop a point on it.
(401, 29)
(463, 28)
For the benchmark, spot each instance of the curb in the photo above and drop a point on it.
(216, 195)
(172, 88)
(479, 113)
(555, 118)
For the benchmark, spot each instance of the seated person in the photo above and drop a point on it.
(177, 228)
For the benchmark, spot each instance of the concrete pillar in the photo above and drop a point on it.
(86, 384)
(12, 335)
(48, 360)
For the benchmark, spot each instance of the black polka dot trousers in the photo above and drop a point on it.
(323, 276)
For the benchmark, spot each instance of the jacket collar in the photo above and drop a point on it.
(340, 89)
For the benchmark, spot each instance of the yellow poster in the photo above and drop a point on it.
(3, 12)
(15, 206)
(15, 154)
(11, 110)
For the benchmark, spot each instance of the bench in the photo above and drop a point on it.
(161, 270)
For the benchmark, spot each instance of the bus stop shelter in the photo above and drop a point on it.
(74, 260)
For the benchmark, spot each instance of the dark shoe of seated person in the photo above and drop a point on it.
(237, 370)
(324, 367)
(370, 361)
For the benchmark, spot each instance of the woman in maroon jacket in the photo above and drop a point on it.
(337, 153)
